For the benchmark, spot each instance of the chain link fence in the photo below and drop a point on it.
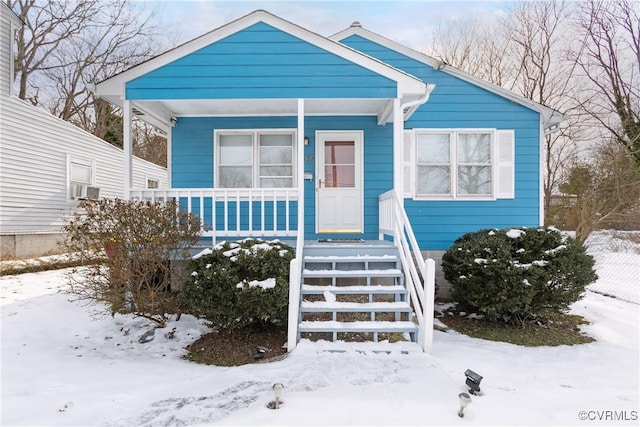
(617, 257)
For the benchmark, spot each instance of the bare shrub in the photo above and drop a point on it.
(139, 240)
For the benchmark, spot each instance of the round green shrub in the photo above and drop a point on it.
(518, 273)
(241, 284)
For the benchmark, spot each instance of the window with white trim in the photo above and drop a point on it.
(153, 183)
(80, 173)
(255, 159)
(459, 164)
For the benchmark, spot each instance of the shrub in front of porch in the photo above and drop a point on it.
(240, 284)
(517, 274)
(128, 246)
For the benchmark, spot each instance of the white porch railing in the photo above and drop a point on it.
(394, 222)
(235, 212)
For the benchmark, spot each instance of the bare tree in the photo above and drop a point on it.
(523, 51)
(116, 38)
(607, 191)
(609, 56)
(46, 26)
(150, 144)
(475, 46)
(65, 46)
(538, 32)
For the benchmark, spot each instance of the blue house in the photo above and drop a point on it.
(364, 154)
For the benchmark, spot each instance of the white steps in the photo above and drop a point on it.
(360, 326)
(391, 272)
(354, 289)
(323, 306)
(371, 289)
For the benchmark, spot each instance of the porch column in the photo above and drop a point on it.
(398, 134)
(127, 145)
(300, 180)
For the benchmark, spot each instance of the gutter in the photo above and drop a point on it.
(411, 106)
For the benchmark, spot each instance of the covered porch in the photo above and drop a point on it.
(276, 132)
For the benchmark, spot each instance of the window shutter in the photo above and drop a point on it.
(407, 164)
(505, 164)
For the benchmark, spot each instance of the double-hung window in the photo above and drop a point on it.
(80, 176)
(255, 159)
(457, 164)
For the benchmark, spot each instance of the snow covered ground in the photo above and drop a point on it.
(61, 367)
(617, 256)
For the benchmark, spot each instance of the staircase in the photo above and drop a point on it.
(354, 291)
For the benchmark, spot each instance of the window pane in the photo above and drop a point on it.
(80, 173)
(235, 149)
(275, 155)
(276, 149)
(433, 148)
(284, 171)
(284, 140)
(276, 182)
(474, 148)
(340, 176)
(434, 180)
(474, 180)
(152, 183)
(339, 152)
(235, 177)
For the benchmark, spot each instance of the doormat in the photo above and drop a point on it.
(341, 240)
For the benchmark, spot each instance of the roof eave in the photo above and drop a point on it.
(550, 118)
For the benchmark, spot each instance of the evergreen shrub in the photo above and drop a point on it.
(241, 284)
(518, 273)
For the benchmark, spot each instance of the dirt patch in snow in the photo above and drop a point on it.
(240, 347)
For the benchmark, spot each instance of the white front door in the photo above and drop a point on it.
(339, 185)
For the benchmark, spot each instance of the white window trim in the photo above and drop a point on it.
(453, 132)
(152, 178)
(255, 146)
(83, 162)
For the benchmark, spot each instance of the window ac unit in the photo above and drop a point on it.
(84, 192)
(93, 192)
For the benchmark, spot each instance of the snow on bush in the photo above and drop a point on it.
(513, 274)
(240, 284)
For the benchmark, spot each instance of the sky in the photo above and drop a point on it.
(408, 22)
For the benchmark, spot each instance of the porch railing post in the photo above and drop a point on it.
(300, 175)
(295, 273)
(398, 131)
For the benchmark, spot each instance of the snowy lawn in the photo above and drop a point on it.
(61, 367)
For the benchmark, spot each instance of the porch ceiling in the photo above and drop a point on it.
(160, 112)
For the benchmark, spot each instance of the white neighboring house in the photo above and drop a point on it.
(47, 165)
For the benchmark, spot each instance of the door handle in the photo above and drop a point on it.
(319, 183)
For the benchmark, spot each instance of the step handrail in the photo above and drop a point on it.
(419, 274)
(295, 277)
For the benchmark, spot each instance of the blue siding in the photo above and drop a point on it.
(458, 104)
(260, 62)
(193, 159)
